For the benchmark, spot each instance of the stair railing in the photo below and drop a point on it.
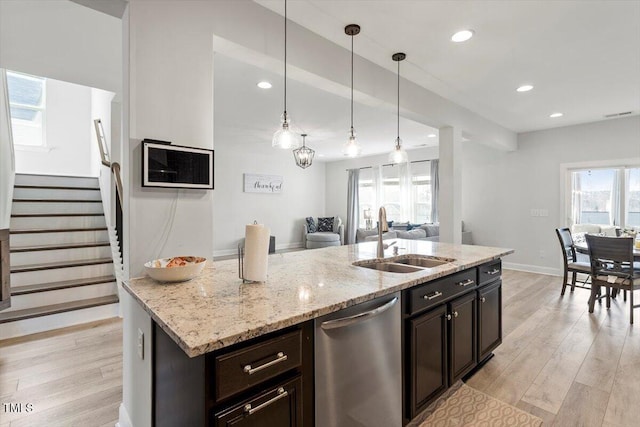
(114, 231)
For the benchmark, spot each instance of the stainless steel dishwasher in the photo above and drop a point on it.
(358, 365)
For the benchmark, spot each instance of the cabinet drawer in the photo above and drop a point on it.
(276, 406)
(244, 368)
(489, 272)
(433, 293)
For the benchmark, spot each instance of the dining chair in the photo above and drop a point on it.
(612, 267)
(571, 264)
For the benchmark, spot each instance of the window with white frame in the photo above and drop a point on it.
(404, 191)
(27, 106)
(366, 196)
(421, 192)
(605, 196)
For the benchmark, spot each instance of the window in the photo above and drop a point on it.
(366, 195)
(404, 191)
(27, 106)
(421, 192)
(607, 196)
(391, 198)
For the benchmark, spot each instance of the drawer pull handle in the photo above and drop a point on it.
(280, 357)
(449, 317)
(281, 393)
(483, 299)
(436, 294)
(466, 282)
(455, 314)
(494, 271)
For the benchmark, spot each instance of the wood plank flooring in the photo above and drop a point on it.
(71, 377)
(557, 361)
(560, 362)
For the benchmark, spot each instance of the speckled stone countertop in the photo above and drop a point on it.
(216, 309)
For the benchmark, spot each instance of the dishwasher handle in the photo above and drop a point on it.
(350, 320)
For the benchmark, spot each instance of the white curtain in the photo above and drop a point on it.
(353, 205)
(576, 198)
(614, 212)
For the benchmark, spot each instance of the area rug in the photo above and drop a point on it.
(464, 406)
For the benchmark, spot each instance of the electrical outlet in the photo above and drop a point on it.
(534, 212)
(544, 212)
(141, 344)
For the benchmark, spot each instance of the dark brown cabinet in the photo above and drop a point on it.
(427, 358)
(489, 319)
(462, 341)
(279, 406)
(450, 326)
(265, 381)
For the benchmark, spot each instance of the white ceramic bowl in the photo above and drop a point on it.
(159, 270)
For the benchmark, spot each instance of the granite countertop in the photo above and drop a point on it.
(216, 309)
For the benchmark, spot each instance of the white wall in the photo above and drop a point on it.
(61, 40)
(67, 126)
(303, 194)
(500, 189)
(70, 137)
(336, 176)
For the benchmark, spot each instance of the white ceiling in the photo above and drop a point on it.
(583, 57)
(241, 108)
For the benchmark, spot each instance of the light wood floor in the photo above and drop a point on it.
(72, 377)
(557, 361)
(561, 363)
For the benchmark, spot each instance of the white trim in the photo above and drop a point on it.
(123, 417)
(565, 177)
(532, 269)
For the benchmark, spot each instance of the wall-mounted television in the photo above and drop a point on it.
(174, 166)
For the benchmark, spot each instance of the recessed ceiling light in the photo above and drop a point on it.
(264, 85)
(554, 115)
(524, 88)
(462, 36)
(431, 135)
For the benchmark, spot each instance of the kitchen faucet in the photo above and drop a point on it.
(383, 227)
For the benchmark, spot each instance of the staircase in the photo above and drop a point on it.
(62, 270)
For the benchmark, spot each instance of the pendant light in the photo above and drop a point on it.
(398, 155)
(351, 148)
(284, 137)
(304, 154)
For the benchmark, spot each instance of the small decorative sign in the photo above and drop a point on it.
(254, 183)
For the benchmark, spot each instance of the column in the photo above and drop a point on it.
(450, 195)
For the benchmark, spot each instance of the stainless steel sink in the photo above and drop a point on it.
(423, 261)
(391, 267)
(409, 263)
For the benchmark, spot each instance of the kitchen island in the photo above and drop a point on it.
(200, 326)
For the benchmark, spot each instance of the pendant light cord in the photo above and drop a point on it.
(285, 58)
(352, 83)
(398, 129)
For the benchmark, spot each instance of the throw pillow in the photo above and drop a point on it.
(311, 225)
(337, 222)
(325, 224)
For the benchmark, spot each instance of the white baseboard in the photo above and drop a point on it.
(123, 417)
(283, 246)
(532, 268)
